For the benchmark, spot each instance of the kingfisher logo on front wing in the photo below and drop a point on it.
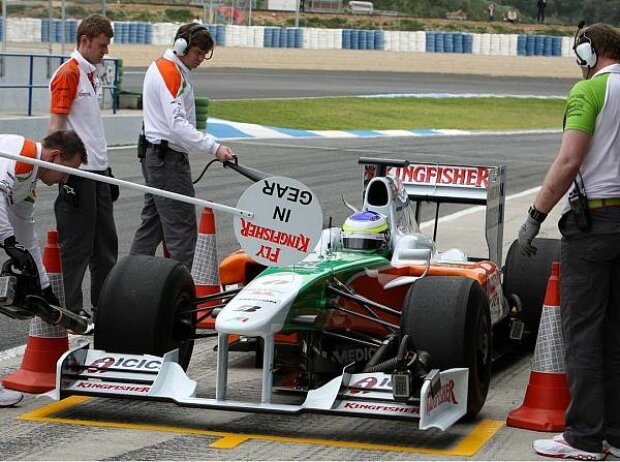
(103, 365)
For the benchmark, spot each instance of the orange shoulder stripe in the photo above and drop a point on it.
(28, 150)
(171, 75)
(64, 87)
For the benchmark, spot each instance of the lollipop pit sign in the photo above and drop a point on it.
(286, 225)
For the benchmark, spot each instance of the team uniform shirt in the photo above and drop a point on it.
(18, 181)
(169, 108)
(76, 92)
(593, 107)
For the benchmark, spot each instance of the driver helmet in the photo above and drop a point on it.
(366, 230)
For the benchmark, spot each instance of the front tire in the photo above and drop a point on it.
(527, 277)
(449, 317)
(139, 308)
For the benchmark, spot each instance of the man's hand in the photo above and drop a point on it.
(115, 190)
(21, 258)
(224, 153)
(529, 230)
(49, 296)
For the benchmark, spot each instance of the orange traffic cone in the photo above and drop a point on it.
(46, 342)
(547, 395)
(205, 266)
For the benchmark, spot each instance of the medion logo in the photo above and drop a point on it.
(353, 355)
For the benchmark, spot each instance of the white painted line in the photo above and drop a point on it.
(12, 353)
(478, 208)
(333, 134)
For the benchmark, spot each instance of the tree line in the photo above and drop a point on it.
(557, 11)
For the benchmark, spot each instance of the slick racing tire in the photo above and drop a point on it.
(449, 318)
(526, 277)
(139, 307)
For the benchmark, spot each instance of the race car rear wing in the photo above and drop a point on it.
(448, 183)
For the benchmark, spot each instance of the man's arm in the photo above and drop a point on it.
(56, 122)
(564, 169)
(22, 220)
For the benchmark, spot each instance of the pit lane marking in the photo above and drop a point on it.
(466, 447)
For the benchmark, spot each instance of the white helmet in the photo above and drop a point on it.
(366, 230)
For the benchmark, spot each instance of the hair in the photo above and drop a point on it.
(201, 37)
(68, 143)
(93, 26)
(605, 40)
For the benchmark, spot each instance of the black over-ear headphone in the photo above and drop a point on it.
(182, 41)
(585, 51)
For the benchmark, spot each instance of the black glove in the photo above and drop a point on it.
(115, 191)
(21, 258)
(49, 296)
(68, 194)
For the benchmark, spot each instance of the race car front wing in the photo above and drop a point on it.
(83, 371)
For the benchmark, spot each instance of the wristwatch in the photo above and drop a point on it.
(537, 214)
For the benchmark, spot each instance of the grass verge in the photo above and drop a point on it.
(395, 113)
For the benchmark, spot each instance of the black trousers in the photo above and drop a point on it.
(590, 310)
(87, 238)
(163, 219)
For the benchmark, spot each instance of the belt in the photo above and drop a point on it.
(601, 203)
(152, 145)
(157, 146)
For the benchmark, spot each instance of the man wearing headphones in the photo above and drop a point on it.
(586, 172)
(171, 136)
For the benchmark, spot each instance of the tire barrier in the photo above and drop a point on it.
(140, 32)
(134, 32)
(202, 112)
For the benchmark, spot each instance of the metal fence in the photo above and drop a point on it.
(24, 81)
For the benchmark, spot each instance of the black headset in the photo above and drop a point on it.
(182, 41)
(584, 48)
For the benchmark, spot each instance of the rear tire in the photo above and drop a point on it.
(138, 308)
(449, 317)
(526, 277)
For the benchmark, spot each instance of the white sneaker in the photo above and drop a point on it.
(609, 449)
(9, 397)
(559, 448)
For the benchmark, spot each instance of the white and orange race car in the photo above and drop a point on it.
(365, 319)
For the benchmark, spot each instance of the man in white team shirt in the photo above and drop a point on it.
(84, 210)
(18, 181)
(171, 135)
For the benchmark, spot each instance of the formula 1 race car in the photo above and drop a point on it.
(373, 321)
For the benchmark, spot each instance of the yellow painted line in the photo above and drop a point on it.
(477, 438)
(229, 442)
(468, 446)
(45, 411)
